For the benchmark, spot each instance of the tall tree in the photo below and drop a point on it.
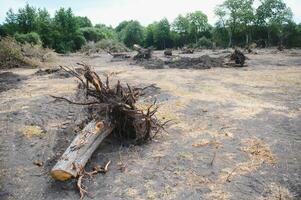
(27, 19)
(132, 33)
(181, 26)
(149, 35)
(235, 14)
(83, 21)
(162, 33)
(44, 27)
(65, 30)
(198, 22)
(273, 14)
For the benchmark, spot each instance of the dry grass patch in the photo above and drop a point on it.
(206, 142)
(275, 191)
(31, 131)
(258, 153)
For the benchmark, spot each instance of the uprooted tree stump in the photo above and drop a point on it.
(168, 52)
(114, 111)
(142, 53)
(238, 57)
(186, 50)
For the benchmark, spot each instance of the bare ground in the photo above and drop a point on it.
(236, 133)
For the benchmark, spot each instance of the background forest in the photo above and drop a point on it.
(239, 24)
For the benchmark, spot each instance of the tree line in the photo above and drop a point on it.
(239, 24)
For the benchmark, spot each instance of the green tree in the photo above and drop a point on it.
(162, 34)
(234, 14)
(132, 34)
(44, 27)
(149, 35)
(83, 22)
(65, 31)
(181, 27)
(27, 19)
(273, 14)
(198, 23)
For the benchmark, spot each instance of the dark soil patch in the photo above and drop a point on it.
(203, 62)
(9, 80)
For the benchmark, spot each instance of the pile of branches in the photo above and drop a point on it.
(202, 62)
(117, 105)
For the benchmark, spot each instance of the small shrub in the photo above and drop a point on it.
(204, 43)
(10, 53)
(31, 38)
(105, 45)
(14, 54)
(79, 41)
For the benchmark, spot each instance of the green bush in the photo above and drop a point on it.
(105, 45)
(92, 34)
(79, 41)
(204, 43)
(14, 54)
(32, 38)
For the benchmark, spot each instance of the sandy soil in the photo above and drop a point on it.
(236, 132)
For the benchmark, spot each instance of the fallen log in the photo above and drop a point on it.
(80, 150)
(119, 55)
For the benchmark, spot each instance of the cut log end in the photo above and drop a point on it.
(80, 150)
(60, 175)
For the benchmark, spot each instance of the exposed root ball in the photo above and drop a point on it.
(117, 105)
(238, 57)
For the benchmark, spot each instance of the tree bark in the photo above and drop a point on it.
(80, 150)
(230, 38)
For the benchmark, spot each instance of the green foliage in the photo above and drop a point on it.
(161, 33)
(93, 34)
(198, 23)
(66, 37)
(44, 27)
(31, 38)
(10, 53)
(239, 23)
(104, 45)
(204, 43)
(130, 33)
(181, 27)
(149, 35)
(273, 14)
(83, 22)
(191, 27)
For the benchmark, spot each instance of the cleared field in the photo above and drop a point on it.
(236, 132)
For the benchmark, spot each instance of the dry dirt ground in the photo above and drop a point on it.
(236, 132)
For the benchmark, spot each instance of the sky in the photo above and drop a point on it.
(112, 12)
